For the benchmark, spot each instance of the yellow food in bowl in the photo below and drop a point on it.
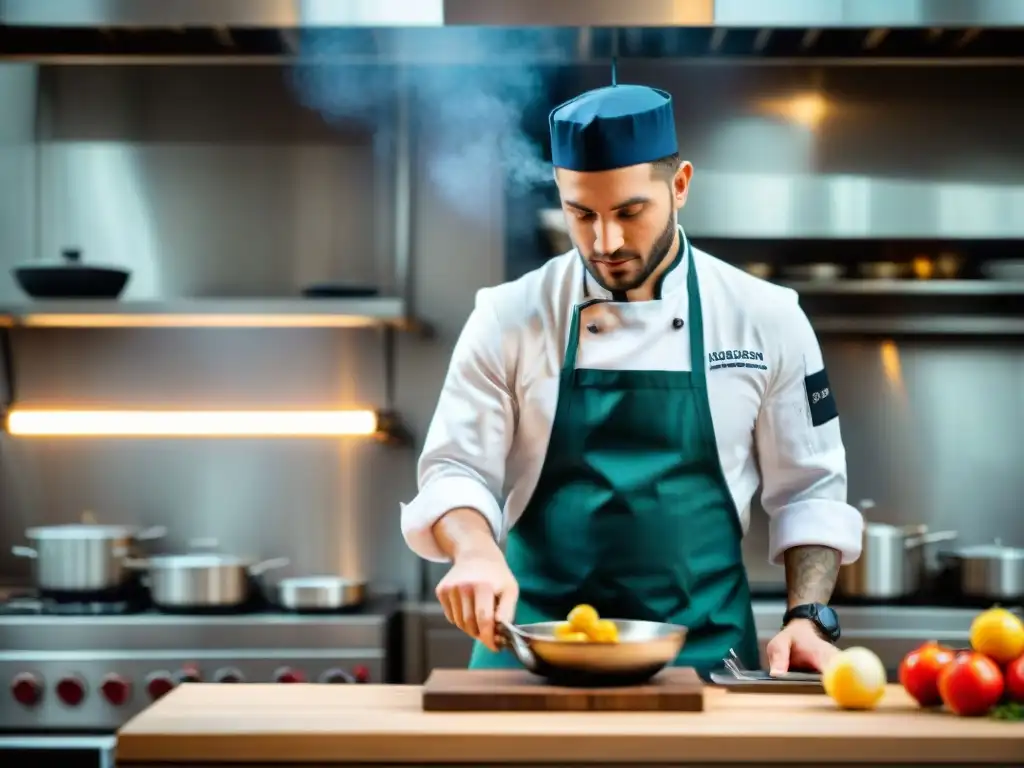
(576, 637)
(564, 631)
(584, 625)
(583, 618)
(604, 631)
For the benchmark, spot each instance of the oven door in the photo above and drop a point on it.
(78, 751)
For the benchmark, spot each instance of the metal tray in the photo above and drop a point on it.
(759, 681)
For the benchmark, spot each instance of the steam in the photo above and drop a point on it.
(468, 89)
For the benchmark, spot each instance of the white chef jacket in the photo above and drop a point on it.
(489, 435)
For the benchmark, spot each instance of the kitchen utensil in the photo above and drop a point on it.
(764, 684)
(677, 689)
(988, 571)
(202, 580)
(71, 279)
(735, 675)
(83, 557)
(892, 563)
(734, 664)
(319, 593)
(644, 648)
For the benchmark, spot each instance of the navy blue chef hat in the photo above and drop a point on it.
(613, 127)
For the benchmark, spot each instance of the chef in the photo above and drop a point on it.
(606, 419)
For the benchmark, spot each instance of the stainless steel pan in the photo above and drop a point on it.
(202, 581)
(644, 648)
(989, 571)
(319, 593)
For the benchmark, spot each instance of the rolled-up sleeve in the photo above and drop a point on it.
(464, 454)
(800, 448)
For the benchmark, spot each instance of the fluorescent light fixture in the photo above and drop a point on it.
(225, 320)
(27, 422)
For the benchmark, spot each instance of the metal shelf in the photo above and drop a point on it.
(385, 315)
(214, 313)
(898, 287)
(939, 325)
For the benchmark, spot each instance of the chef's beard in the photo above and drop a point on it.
(661, 248)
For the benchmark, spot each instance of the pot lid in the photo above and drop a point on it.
(70, 259)
(80, 531)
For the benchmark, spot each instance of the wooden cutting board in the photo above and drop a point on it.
(676, 689)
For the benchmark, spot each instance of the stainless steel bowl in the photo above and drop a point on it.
(644, 648)
(319, 593)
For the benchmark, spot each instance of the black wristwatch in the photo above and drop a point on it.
(820, 615)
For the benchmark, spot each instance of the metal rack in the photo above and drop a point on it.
(1007, 319)
(961, 288)
(388, 314)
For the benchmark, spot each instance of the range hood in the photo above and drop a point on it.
(559, 31)
(279, 14)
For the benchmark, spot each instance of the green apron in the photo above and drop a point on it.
(631, 513)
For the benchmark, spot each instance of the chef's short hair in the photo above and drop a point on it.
(665, 167)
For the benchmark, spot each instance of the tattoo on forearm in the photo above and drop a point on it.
(811, 574)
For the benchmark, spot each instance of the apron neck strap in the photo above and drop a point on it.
(695, 321)
(569, 363)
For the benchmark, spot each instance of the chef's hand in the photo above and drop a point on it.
(479, 588)
(799, 645)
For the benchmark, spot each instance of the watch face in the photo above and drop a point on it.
(828, 619)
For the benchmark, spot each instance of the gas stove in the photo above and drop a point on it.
(90, 667)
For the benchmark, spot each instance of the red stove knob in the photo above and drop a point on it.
(116, 690)
(336, 676)
(361, 673)
(71, 690)
(289, 675)
(159, 684)
(230, 675)
(26, 689)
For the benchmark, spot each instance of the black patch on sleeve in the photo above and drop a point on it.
(820, 398)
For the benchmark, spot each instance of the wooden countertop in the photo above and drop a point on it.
(336, 724)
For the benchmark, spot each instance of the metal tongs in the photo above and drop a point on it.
(734, 664)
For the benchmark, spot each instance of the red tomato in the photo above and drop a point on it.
(971, 684)
(919, 672)
(1015, 680)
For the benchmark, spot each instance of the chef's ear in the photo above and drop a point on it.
(681, 184)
